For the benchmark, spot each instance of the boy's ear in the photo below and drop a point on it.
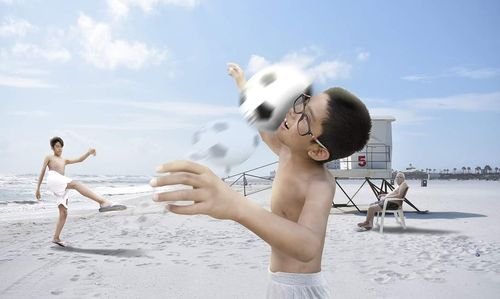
(318, 153)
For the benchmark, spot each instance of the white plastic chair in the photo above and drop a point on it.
(398, 213)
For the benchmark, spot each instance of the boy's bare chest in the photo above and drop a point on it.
(56, 164)
(288, 197)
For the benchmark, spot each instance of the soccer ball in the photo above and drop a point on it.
(225, 143)
(269, 94)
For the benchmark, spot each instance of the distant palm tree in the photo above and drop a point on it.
(463, 169)
(468, 169)
(454, 170)
(487, 169)
(496, 169)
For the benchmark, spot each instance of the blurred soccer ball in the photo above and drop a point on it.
(269, 94)
(226, 143)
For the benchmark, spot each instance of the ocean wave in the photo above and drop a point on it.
(20, 189)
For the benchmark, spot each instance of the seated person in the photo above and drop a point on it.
(391, 205)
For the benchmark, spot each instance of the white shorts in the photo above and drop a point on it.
(297, 285)
(57, 184)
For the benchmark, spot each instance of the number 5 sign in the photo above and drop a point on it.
(362, 160)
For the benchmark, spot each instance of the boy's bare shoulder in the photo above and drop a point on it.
(323, 183)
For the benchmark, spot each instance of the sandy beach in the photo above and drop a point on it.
(451, 252)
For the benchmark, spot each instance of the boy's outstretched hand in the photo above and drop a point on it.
(210, 194)
(235, 71)
(92, 151)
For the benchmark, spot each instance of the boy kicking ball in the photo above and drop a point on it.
(59, 184)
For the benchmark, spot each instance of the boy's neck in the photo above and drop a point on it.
(304, 163)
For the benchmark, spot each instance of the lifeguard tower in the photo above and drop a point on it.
(372, 164)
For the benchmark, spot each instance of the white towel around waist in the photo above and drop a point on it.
(57, 184)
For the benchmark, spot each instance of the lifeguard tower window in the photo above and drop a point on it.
(374, 160)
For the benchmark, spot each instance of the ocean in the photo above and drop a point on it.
(17, 192)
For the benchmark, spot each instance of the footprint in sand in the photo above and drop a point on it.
(75, 277)
(435, 279)
(382, 280)
(215, 266)
(144, 264)
(56, 292)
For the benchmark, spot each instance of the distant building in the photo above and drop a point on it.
(411, 168)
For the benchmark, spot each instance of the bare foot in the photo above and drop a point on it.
(361, 224)
(59, 242)
(106, 203)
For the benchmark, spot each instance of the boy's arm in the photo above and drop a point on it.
(40, 177)
(211, 196)
(235, 71)
(91, 151)
(302, 240)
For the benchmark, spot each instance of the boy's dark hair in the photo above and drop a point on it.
(346, 129)
(55, 140)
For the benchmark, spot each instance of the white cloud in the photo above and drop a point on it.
(256, 63)
(412, 111)
(461, 72)
(306, 59)
(363, 56)
(481, 73)
(423, 78)
(103, 51)
(402, 115)
(176, 108)
(33, 113)
(463, 102)
(30, 72)
(23, 82)
(8, 1)
(32, 51)
(140, 125)
(331, 70)
(120, 8)
(303, 58)
(15, 27)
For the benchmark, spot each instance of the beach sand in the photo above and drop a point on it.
(451, 252)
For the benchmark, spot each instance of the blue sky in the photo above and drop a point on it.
(136, 78)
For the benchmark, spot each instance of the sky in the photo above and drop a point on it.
(136, 78)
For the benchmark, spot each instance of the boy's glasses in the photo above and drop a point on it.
(304, 124)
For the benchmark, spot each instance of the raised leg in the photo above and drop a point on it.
(85, 191)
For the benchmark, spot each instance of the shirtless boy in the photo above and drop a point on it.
(59, 184)
(317, 129)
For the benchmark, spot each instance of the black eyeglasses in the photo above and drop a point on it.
(304, 124)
